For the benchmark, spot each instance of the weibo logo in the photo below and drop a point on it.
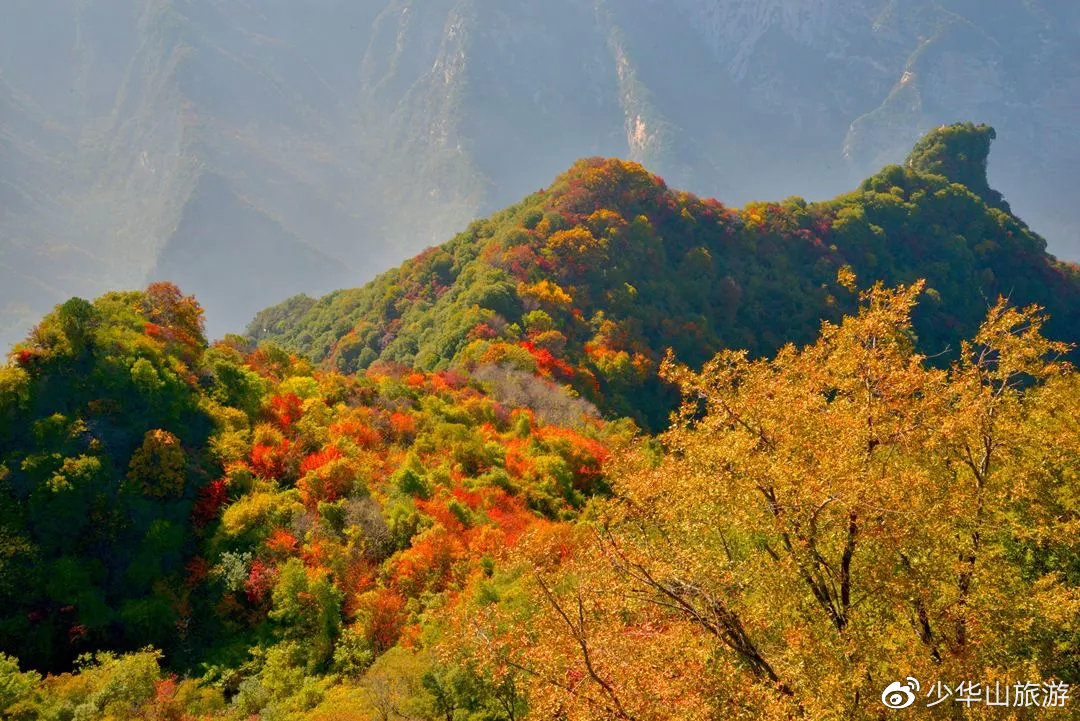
(897, 695)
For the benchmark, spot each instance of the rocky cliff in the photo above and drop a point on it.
(314, 146)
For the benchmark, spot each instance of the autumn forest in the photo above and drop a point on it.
(614, 452)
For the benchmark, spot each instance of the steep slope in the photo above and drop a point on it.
(159, 130)
(592, 279)
(367, 130)
(151, 486)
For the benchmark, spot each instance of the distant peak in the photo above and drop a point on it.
(612, 183)
(959, 152)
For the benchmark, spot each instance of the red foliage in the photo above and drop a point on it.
(25, 357)
(364, 435)
(510, 515)
(586, 455)
(403, 425)
(359, 577)
(319, 458)
(268, 364)
(326, 483)
(316, 555)
(618, 185)
(173, 317)
(260, 581)
(452, 379)
(368, 437)
(269, 461)
(209, 502)
(467, 497)
(286, 409)
(428, 565)
(482, 331)
(438, 509)
(520, 260)
(165, 689)
(165, 706)
(197, 569)
(547, 363)
(386, 619)
(518, 462)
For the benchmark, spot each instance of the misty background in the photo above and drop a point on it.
(249, 150)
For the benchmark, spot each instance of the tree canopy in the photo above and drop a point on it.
(615, 453)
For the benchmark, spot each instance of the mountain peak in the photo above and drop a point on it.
(960, 153)
(590, 281)
(611, 183)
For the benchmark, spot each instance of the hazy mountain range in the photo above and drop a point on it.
(251, 150)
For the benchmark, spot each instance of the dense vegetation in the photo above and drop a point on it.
(812, 527)
(450, 528)
(591, 280)
(240, 510)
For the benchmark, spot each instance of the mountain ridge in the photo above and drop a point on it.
(370, 130)
(590, 280)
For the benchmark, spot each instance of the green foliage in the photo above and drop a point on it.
(15, 686)
(292, 523)
(589, 282)
(960, 153)
(98, 410)
(307, 608)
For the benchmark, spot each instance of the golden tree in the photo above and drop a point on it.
(157, 468)
(817, 525)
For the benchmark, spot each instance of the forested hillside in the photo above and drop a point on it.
(615, 453)
(222, 503)
(589, 281)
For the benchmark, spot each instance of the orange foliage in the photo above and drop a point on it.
(428, 565)
(25, 357)
(384, 614)
(268, 461)
(330, 481)
(173, 317)
(482, 331)
(586, 455)
(286, 409)
(358, 578)
(282, 542)
(510, 515)
(518, 463)
(547, 363)
(402, 424)
(318, 459)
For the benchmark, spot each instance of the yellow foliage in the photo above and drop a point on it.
(577, 245)
(157, 468)
(813, 527)
(545, 292)
(259, 509)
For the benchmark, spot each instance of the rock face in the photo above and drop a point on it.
(251, 150)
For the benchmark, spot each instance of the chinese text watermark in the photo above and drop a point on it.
(1048, 694)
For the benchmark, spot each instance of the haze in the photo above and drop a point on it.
(249, 151)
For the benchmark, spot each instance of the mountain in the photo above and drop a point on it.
(226, 531)
(170, 139)
(589, 281)
(138, 465)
